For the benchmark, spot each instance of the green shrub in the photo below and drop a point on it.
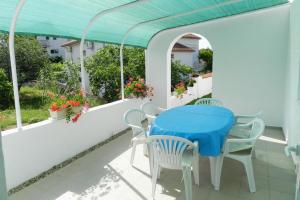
(31, 97)
(207, 56)
(6, 91)
(60, 78)
(179, 72)
(30, 57)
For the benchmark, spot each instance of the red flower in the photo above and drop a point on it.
(73, 103)
(64, 106)
(138, 85)
(75, 119)
(54, 107)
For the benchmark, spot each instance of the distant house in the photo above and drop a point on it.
(52, 45)
(186, 50)
(72, 49)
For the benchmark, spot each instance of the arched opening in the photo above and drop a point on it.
(190, 60)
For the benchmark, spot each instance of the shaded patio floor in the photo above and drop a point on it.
(106, 174)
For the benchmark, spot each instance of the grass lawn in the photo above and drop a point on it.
(34, 108)
(29, 116)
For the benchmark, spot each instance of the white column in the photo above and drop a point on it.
(13, 62)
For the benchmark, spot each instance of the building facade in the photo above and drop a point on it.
(53, 45)
(72, 49)
(186, 50)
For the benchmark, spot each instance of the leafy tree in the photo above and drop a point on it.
(207, 56)
(104, 70)
(30, 57)
(60, 78)
(6, 97)
(179, 72)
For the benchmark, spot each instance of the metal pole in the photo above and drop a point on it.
(13, 62)
(90, 24)
(161, 19)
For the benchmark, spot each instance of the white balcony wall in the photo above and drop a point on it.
(42, 145)
(292, 104)
(202, 87)
(250, 57)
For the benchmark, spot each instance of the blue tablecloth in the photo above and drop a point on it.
(209, 125)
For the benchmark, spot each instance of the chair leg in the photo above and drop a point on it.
(154, 178)
(187, 176)
(150, 160)
(253, 153)
(133, 152)
(196, 168)
(218, 171)
(249, 171)
(212, 169)
(158, 173)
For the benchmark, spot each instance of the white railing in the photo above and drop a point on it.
(38, 147)
(202, 87)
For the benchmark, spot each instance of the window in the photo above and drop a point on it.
(84, 52)
(172, 56)
(54, 38)
(90, 45)
(54, 51)
(47, 38)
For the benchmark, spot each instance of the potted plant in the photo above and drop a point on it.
(190, 86)
(136, 88)
(180, 89)
(69, 107)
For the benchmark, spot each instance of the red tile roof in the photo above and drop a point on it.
(181, 48)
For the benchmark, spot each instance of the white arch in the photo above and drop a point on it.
(169, 52)
(161, 19)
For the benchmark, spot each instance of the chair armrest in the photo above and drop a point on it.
(150, 116)
(161, 109)
(236, 144)
(137, 127)
(240, 140)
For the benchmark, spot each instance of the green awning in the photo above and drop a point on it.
(68, 18)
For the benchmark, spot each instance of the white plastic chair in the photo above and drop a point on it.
(209, 102)
(240, 149)
(151, 111)
(134, 118)
(174, 153)
(241, 127)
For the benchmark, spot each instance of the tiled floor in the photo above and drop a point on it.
(106, 174)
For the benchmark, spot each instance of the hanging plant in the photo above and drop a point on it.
(138, 89)
(69, 107)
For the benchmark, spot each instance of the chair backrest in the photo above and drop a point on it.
(150, 109)
(167, 151)
(258, 127)
(209, 101)
(134, 119)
